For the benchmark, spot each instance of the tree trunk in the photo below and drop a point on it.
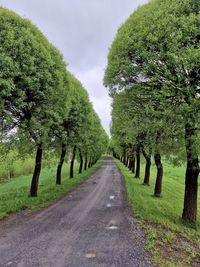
(191, 177)
(72, 163)
(124, 160)
(85, 166)
(133, 165)
(130, 164)
(137, 173)
(159, 177)
(127, 160)
(37, 170)
(81, 162)
(89, 164)
(60, 164)
(147, 168)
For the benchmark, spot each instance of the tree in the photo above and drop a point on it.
(78, 129)
(158, 50)
(32, 81)
(132, 116)
(77, 120)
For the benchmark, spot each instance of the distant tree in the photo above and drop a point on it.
(76, 131)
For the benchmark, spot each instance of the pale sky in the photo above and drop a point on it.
(83, 30)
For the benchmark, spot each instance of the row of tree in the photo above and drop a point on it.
(42, 105)
(153, 76)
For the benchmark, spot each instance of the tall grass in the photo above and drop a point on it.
(13, 166)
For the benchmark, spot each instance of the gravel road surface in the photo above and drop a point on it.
(90, 227)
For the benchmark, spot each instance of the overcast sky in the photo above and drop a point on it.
(83, 30)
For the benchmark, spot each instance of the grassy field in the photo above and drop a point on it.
(14, 193)
(13, 166)
(171, 242)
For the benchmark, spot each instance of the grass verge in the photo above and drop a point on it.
(14, 193)
(171, 242)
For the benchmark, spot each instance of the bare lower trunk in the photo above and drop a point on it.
(137, 173)
(133, 165)
(147, 168)
(159, 177)
(130, 164)
(124, 156)
(60, 164)
(81, 162)
(124, 160)
(89, 163)
(127, 160)
(72, 163)
(86, 162)
(37, 170)
(191, 176)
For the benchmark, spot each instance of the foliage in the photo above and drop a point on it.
(40, 101)
(154, 61)
(31, 76)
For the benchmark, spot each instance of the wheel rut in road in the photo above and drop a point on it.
(90, 227)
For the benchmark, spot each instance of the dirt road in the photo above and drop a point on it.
(90, 227)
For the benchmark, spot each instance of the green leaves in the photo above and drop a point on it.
(32, 76)
(155, 58)
(154, 78)
(41, 103)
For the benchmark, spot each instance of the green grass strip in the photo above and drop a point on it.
(169, 239)
(14, 193)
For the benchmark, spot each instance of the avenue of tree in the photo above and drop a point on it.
(42, 105)
(153, 76)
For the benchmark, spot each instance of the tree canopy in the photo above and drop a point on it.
(40, 101)
(156, 56)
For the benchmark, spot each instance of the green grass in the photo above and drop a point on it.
(14, 193)
(12, 166)
(15, 168)
(168, 236)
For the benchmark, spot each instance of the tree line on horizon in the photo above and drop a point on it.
(42, 105)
